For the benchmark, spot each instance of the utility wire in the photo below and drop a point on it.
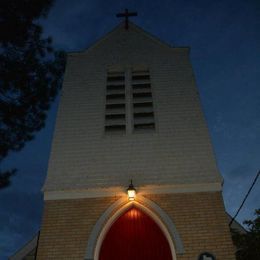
(256, 177)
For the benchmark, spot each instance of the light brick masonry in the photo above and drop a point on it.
(176, 159)
(199, 218)
(83, 156)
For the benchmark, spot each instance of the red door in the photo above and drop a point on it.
(135, 236)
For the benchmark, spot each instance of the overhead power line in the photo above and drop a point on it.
(251, 187)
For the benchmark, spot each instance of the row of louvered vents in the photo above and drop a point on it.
(140, 101)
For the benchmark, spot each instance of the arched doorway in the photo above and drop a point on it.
(135, 236)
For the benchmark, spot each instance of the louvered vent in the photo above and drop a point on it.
(143, 115)
(115, 103)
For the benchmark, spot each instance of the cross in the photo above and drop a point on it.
(126, 15)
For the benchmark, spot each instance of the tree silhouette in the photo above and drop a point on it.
(248, 244)
(30, 75)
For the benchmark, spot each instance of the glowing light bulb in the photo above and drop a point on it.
(131, 191)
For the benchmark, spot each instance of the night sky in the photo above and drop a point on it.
(225, 52)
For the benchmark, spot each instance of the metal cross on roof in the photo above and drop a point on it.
(126, 14)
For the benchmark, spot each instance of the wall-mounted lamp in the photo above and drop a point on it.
(131, 191)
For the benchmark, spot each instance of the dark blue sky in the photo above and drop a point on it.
(225, 52)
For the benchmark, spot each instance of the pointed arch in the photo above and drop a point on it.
(117, 209)
(135, 235)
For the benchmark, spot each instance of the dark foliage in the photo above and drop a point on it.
(30, 74)
(248, 244)
(5, 178)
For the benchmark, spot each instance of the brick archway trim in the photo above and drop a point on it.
(119, 207)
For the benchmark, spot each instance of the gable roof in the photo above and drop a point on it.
(121, 26)
(27, 251)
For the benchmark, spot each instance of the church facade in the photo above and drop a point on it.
(130, 111)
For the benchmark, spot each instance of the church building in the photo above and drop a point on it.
(132, 173)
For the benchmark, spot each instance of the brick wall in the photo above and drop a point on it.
(83, 156)
(67, 225)
(199, 218)
(201, 221)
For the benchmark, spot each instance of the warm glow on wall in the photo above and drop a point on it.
(131, 191)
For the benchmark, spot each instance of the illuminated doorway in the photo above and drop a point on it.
(135, 236)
